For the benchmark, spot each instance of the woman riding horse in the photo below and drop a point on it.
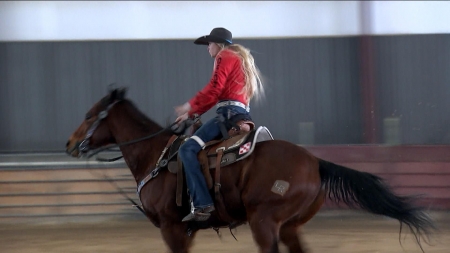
(235, 80)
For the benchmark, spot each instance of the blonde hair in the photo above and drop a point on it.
(253, 78)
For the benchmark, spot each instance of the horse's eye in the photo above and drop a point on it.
(88, 116)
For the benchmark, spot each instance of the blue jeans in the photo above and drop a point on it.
(195, 180)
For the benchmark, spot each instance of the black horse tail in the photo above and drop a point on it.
(370, 193)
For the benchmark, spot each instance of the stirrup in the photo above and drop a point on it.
(200, 214)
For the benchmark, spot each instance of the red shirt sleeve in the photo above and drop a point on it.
(209, 95)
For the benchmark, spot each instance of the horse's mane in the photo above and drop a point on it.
(142, 120)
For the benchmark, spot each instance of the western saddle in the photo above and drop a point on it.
(217, 153)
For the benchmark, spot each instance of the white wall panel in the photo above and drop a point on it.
(410, 17)
(119, 20)
(135, 20)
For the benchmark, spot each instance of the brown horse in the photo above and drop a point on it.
(246, 186)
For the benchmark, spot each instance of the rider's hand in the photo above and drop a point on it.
(182, 118)
(183, 109)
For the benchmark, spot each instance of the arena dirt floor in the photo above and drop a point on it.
(325, 233)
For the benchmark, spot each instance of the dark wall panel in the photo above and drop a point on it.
(47, 87)
(413, 84)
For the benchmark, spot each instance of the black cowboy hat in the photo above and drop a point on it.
(217, 35)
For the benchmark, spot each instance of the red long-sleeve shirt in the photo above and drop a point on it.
(226, 83)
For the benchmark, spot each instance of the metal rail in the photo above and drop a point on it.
(31, 188)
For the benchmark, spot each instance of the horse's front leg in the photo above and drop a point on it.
(176, 237)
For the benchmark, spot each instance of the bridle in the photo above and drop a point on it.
(84, 147)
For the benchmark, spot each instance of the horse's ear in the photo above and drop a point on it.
(121, 93)
(116, 93)
(112, 87)
(112, 95)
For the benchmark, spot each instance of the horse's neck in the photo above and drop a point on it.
(142, 156)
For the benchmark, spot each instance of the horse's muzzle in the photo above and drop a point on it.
(74, 150)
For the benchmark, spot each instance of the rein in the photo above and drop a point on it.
(96, 151)
(119, 190)
(84, 148)
(84, 145)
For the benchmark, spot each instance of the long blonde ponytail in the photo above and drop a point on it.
(254, 86)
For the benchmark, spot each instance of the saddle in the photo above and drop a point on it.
(216, 154)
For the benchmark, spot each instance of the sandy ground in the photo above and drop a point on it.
(323, 234)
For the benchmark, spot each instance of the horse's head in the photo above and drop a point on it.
(93, 131)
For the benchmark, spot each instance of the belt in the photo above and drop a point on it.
(236, 103)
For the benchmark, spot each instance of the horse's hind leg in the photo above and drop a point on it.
(265, 233)
(289, 233)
